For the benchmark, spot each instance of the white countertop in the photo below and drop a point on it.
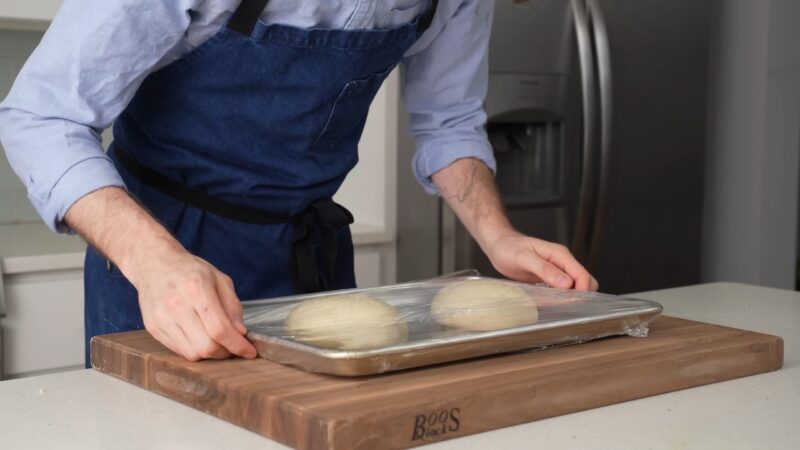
(31, 247)
(87, 410)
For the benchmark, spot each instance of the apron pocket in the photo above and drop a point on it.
(349, 111)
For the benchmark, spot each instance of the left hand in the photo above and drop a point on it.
(468, 187)
(531, 260)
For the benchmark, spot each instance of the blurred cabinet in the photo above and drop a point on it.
(27, 14)
(43, 327)
(375, 264)
(752, 189)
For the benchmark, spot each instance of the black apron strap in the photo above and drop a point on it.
(329, 218)
(192, 196)
(325, 216)
(246, 16)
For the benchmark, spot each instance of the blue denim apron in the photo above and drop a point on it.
(237, 148)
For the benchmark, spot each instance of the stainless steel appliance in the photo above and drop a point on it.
(596, 113)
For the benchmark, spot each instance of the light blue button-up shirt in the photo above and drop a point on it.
(96, 53)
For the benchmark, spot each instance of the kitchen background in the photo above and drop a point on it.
(657, 139)
(701, 182)
(15, 47)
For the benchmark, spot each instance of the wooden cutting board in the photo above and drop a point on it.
(419, 406)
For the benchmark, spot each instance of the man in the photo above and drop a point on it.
(235, 122)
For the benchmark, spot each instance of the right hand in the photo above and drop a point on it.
(191, 307)
(187, 304)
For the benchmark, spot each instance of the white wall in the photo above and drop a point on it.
(27, 14)
(751, 193)
(15, 47)
(369, 190)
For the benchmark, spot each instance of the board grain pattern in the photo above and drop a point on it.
(414, 407)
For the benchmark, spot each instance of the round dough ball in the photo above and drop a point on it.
(483, 305)
(346, 322)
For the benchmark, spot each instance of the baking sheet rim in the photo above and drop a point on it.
(649, 310)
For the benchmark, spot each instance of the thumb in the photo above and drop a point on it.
(231, 302)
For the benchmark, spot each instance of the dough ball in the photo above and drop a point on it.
(346, 322)
(483, 305)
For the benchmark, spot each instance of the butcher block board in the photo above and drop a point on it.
(414, 407)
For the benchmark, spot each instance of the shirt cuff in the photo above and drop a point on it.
(435, 154)
(82, 178)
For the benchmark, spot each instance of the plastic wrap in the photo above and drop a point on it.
(402, 326)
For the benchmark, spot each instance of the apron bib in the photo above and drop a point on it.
(237, 149)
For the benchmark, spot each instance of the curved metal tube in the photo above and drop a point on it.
(580, 239)
(603, 54)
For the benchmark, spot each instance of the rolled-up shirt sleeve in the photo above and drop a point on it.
(444, 86)
(84, 72)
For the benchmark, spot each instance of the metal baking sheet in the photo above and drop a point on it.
(565, 317)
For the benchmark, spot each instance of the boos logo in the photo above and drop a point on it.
(436, 424)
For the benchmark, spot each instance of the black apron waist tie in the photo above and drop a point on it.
(325, 215)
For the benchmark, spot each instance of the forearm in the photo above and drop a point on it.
(469, 188)
(187, 304)
(120, 228)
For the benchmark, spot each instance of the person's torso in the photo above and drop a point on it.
(262, 116)
(269, 119)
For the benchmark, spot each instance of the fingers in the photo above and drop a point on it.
(196, 341)
(178, 327)
(594, 286)
(543, 269)
(551, 263)
(218, 325)
(164, 339)
(193, 316)
(230, 301)
(560, 256)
